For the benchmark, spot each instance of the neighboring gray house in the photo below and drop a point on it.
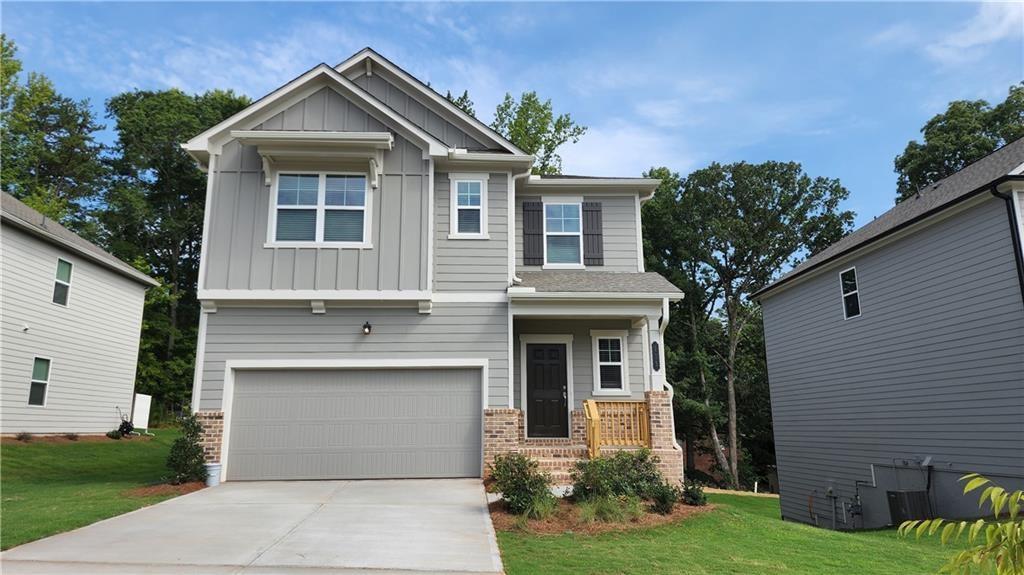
(388, 292)
(70, 316)
(896, 356)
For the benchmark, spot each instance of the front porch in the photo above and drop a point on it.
(587, 378)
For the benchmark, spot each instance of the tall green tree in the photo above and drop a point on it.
(743, 224)
(462, 102)
(51, 159)
(966, 131)
(531, 124)
(154, 215)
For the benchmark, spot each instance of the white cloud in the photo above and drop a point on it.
(901, 34)
(621, 148)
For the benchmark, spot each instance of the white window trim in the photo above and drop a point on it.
(545, 338)
(554, 201)
(856, 292)
(67, 283)
(623, 336)
(49, 377)
(453, 207)
(321, 208)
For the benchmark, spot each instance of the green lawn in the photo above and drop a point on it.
(743, 535)
(47, 488)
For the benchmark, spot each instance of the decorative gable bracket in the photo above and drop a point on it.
(312, 148)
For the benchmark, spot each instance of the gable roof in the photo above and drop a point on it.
(14, 212)
(452, 112)
(978, 177)
(205, 143)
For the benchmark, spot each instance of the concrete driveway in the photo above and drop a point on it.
(401, 526)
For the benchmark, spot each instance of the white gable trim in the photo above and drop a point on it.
(357, 63)
(211, 140)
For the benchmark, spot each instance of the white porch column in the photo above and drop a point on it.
(656, 340)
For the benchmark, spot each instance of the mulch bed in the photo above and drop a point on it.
(566, 520)
(165, 489)
(10, 440)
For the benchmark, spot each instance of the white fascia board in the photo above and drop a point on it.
(308, 295)
(594, 295)
(375, 140)
(453, 113)
(205, 142)
(645, 184)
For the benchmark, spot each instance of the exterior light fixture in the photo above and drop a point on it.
(367, 328)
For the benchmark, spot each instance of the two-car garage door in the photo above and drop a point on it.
(355, 424)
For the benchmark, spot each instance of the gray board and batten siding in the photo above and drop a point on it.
(932, 367)
(451, 331)
(473, 265)
(236, 254)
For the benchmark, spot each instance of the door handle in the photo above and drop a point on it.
(565, 395)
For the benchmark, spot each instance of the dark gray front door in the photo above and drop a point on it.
(546, 390)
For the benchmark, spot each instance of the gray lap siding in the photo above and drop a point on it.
(472, 264)
(933, 366)
(459, 331)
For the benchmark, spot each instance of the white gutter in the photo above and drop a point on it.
(665, 297)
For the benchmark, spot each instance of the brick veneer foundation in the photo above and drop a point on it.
(659, 404)
(213, 434)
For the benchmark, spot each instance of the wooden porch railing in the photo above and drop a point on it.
(616, 423)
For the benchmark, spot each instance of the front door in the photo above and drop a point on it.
(546, 390)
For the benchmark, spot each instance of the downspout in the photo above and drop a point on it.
(1018, 252)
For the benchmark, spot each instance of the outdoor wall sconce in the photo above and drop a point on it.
(367, 328)
(655, 356)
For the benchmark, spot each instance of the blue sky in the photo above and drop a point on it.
(839, 87)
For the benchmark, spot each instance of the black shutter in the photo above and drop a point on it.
(533, 233)
(593, 237)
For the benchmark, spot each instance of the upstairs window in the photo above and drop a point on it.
(40, 381)
(563, 235)
(321, 209)
(62, 283)
(611, 376)
(851, 299)
(468, 206)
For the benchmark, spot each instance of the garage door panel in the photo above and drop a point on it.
(349, 424)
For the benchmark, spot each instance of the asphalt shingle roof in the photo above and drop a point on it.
(588, 281)
(19, 214)
(933, 198)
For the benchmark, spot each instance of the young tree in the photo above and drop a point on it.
(532, 126)
(154, 216)
(965, 132)
(462, 102)
(757, 219)
(51, 159)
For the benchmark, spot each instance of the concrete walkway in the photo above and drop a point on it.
(288, 527)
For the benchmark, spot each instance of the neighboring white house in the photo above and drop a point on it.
(70, 316)
(388, 292)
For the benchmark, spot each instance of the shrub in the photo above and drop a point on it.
(71, 436)
(993, 545)
(185, 459)
(610, 509)
(524, 488)
(24, 436)
(626, 473)
(693, 494)
(114, 434)
(664, 498)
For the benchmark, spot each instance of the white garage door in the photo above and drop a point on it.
(355, 424)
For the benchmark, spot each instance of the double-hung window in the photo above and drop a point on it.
(62, 283)
(468, 214)
(611, 374)
(563, 235)
(321, 209)
(37, 387)
(851, 296)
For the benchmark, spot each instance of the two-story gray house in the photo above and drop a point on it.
(70, 316)
(896, 356)
(387, 292)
